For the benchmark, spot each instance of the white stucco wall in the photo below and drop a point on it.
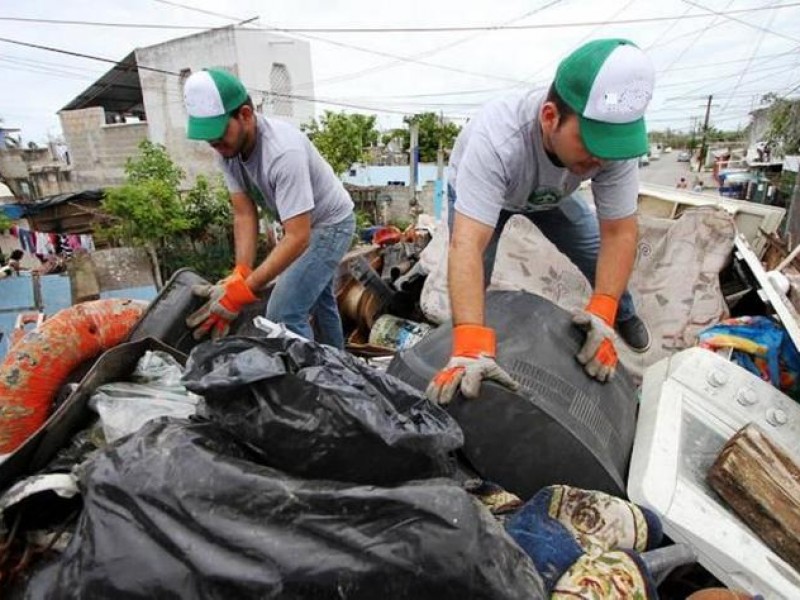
(257, 51)
(247, 54)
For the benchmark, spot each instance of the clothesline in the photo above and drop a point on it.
(43, 244)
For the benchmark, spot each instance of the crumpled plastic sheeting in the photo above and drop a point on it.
(181, 510)
(317, 412)
(155, 390)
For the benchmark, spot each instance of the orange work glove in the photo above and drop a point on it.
(474, 349)
(598, 354)
(225, 301)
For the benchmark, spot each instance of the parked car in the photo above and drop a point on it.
(684, 156)
(644, 160)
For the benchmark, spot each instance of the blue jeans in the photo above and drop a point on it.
(306, 287)
(571, 227)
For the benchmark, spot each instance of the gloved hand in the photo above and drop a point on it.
(225, 300)
(474, 349)
(598, 354)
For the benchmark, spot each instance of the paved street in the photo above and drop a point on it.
(667, 171)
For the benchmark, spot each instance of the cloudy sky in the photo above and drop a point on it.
(735, 50)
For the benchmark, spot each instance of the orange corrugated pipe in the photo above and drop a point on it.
(38, 365)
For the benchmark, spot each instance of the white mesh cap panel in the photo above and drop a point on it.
(201, 96)
(623, 87)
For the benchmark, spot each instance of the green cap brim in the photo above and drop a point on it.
(614, 141)
(207, 128)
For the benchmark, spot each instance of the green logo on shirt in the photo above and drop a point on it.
(543, 199)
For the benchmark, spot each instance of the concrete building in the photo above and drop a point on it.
(32, 173)
(141, 98)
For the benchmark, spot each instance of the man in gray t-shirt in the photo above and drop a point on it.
(528, 154)
(270, 165)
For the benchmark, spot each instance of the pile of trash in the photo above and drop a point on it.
(283, 469)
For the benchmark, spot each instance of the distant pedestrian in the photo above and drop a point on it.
(698, 186)
(682, 184)
(14, 260)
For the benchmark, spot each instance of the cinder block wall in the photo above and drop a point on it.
(99, 151)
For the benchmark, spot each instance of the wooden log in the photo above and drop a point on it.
(761, 482)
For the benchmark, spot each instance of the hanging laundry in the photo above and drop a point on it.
(64, 247)
(87, 243)
(74, 241)
(27, 240)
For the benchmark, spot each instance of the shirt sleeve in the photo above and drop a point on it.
(231, 181)
(616, 190)
(480, 181)
(293, 192)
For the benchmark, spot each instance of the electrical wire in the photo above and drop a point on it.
(726, 15)
(440, 29)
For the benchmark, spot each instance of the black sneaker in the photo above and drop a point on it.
(634, 332)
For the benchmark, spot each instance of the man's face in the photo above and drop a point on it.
(562, 137)
(235, 138)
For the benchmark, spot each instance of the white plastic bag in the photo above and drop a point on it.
(155, 390)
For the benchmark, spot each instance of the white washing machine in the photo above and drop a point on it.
(691, 404)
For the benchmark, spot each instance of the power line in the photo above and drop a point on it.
(749, 63)
(175, 74)
(426, 53)
(453, 28)
(351, 47)
(727, 13)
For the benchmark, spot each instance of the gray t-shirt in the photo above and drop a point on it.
(286, 175)
(499, 162)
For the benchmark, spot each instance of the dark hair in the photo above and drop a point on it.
(564, 110)
(16, 254)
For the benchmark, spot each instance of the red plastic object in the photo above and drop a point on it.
(386, 236)
(38, 365)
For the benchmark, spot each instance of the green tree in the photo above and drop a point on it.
(147, 210)
(432, 131)
(207, 207)
(784, 123)
(341, 138)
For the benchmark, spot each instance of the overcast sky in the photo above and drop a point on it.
(701, 47)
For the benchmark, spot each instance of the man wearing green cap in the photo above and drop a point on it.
(270, 165)
(527, 154)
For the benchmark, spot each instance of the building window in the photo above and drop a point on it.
(281, 88)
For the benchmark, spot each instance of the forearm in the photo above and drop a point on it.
(465, 270)
(465, 284)
(245, 236)
(617, 254)
(284, 254)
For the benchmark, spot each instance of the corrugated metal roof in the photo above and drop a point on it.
(119, 90)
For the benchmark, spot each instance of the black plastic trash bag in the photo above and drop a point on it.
(317, 412)
(180, 510)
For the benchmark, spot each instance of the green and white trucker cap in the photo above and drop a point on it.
(608, 83)
(210, 96)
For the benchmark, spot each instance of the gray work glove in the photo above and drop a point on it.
(598, 354)
(225, 300)
(466, 374)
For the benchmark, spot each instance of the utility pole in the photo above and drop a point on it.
(705, 134)
(414, 160)
(438, 199)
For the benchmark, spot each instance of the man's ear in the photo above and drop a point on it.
(246, 112)
(549, 116)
